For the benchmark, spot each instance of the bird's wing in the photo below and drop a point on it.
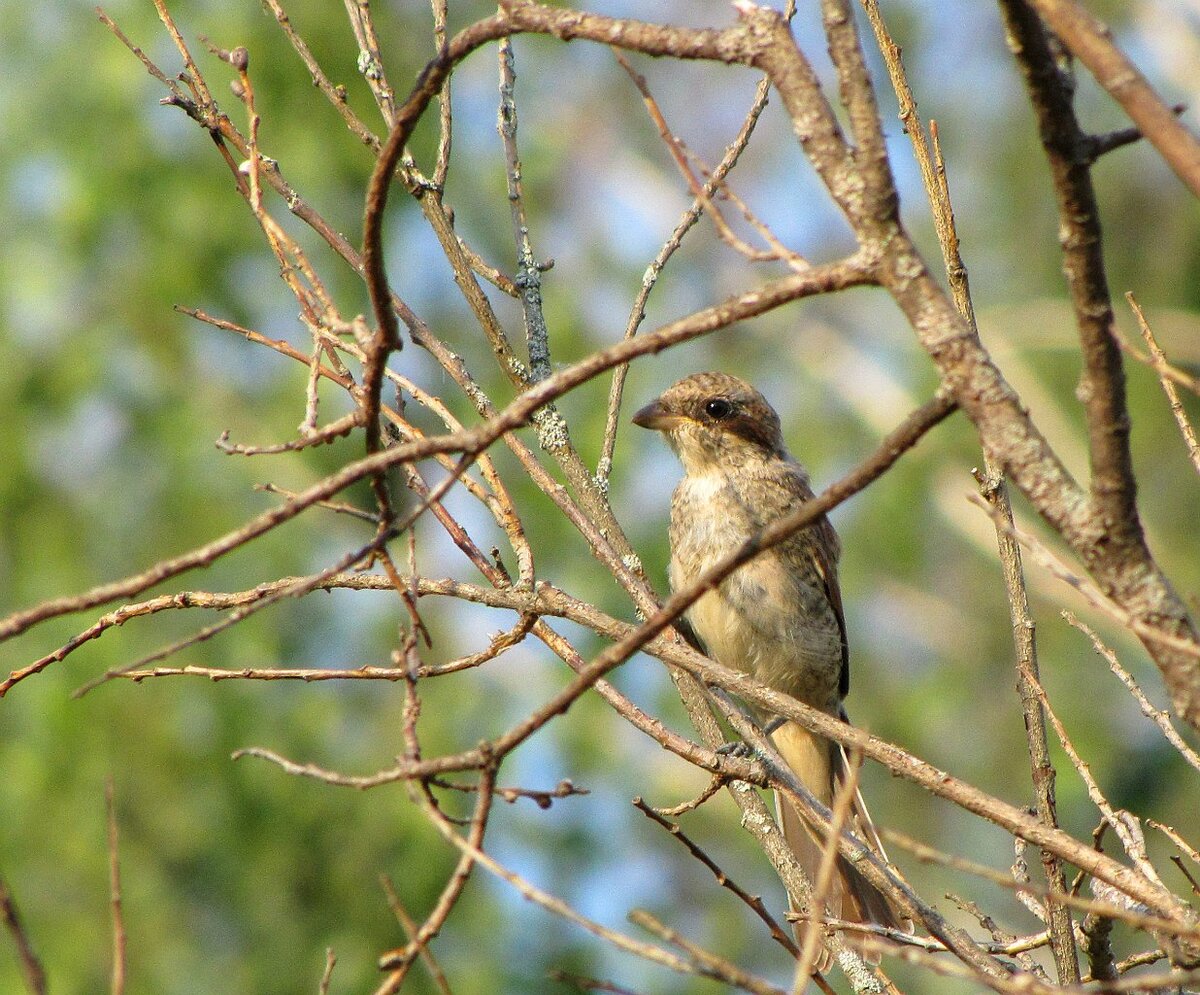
(820, 543)
(827, 570)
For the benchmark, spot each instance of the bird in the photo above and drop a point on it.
(777, 617)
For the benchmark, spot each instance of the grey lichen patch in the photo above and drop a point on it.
(859, 973)
(552, 432)
(908, 268)
(537, 335)
(518, 369)
(603, 472)
(755, 821)
(369, 67)
(852, 187)
(477, 397)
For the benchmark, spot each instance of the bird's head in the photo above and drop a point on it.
(714, 419)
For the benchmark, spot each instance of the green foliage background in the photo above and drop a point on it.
(238, 877)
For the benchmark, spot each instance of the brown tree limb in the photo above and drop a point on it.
(1102, 384)
(1091, 43)
(995, 491)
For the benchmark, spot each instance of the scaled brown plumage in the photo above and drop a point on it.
(778, 617)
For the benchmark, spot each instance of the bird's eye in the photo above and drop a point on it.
(718, 408)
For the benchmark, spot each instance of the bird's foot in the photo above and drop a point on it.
(743, 749)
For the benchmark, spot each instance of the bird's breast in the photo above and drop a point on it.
(770, 617)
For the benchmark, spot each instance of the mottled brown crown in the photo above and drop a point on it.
(717, 401)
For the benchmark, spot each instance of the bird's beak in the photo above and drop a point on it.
(655, 416)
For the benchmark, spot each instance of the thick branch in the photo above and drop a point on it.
(1111, 547)
(1115, 555)
(1090, 43)
(1102, 385)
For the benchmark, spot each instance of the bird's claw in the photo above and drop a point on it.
(736, 749)
(774, 725)
(743, 749)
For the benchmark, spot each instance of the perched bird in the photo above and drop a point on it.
(779, 616)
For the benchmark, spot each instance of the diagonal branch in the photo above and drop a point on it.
(32, 971)
(1091, 43)
(470, 442)
(933, 173)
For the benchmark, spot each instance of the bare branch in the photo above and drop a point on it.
(31, 968)
(327, 973)
(1160, 718)
(995, 492)
(114, 885)
(1159, 361)
(754, 902)
(1091, 43)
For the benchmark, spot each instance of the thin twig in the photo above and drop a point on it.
(1001, 938)
(704, 963)
(327, 972)
(336, 95)
(1140, 960)
(715, 784)
(114, 887)
(1125, 912)
(1160, 718)
(436, 974)
(813, 938)
(236, 616)
(1119, 822)
(370, 58)
(637, 314)
(1049, 561)
(1159, 360)
(31, 968)
(1180, 377)
(315, 437)
(680, 155)
(753, 902)
(590, 984)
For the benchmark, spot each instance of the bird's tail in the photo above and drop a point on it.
(820, 765)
